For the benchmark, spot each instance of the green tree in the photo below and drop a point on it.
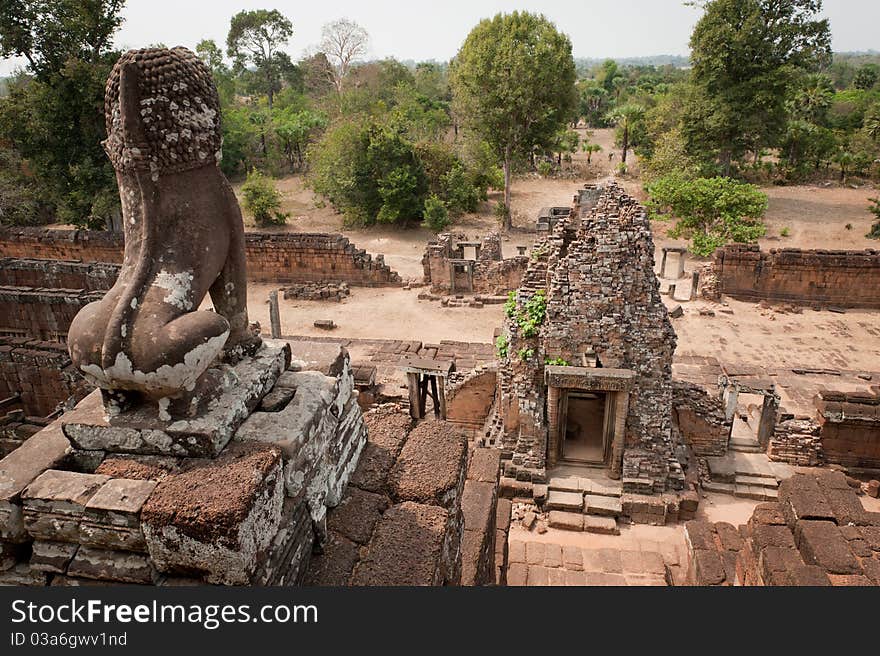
(866, 77)
(711, 211)
(256, 38)
(50, 32)
(589, 149)
(513, 84)
(211, 54)
(296, 129)
(53, 115)
(262, 200)
(872, 122)
(625, 118)
(745, 54)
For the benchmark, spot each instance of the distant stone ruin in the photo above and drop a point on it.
(457, 266)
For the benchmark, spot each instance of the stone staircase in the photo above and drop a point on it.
(746, 475)
(582, 503)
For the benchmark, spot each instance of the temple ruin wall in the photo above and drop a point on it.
(41, 313)
(41, 372)
(271, 257)
(810, 277)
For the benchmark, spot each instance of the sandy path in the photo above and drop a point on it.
(753, 335)
(379, 313)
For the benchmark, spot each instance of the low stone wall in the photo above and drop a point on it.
(813, 277)
(314, 291)
(797, 442)
(41, 372)
(271, 257)
(41, 313)
(32, 272)
(700, 419)
(849, 428)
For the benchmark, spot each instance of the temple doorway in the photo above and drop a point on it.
(585, 428)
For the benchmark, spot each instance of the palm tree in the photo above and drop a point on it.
(589, 149)
(872, 123)
(624, 117)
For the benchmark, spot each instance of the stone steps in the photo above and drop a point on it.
(572, 521)
(744, 445)
(757, 480)
(597, 487)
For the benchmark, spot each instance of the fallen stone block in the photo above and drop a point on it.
(42, 451)
(602, 506)
(217, 516)
(570, 501)
(601, 525)
(566, 521)
(325, 324)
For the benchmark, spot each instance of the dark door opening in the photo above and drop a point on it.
(585, 428)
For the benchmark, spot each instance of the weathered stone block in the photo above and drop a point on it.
(431, 466)
(821, 543)
(43, 450)
(52, 557)
(112, 517)
(54, 504)
(116, 566)
(217, 516)
(357, 514)
(407, 548)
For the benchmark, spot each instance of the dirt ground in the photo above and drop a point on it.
(816, 217)
(379, 313)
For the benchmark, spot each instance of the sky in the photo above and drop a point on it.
(420, 30)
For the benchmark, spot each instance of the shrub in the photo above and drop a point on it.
(556, 362)
(525, 354)
(262, 200)
(545, 168)
(501, 345)
(460, 192)
(711, 211)
(785, 232)
(436, 214)
(875, 210)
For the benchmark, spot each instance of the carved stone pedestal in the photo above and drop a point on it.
(142, 430)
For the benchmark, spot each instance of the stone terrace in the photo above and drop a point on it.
(818, 533)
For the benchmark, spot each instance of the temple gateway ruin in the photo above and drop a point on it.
(153, 435)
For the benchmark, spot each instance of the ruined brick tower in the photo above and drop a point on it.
(587, 375)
